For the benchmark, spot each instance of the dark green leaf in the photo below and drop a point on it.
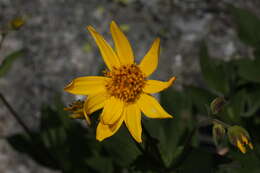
(31, 147)
(8, 61)
(253, 101)
(170, 132)
(121, 148)
(101, 164)
(248, 25)
(249, 69)
(214, 72)
(198, 161)
(242, 163)
(201, 99)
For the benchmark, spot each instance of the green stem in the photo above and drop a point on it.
(186, 150)
(152, 143)
(221, 122)
(187, 144)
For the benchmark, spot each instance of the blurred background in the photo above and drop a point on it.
(58, 48)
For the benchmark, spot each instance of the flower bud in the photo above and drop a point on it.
(77, 111)
(239, 137)
(217, 105)
(218, 133)
(17, 23)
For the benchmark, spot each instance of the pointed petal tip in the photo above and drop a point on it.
(139, 140)
(171, 116)
(172, 79)
(90, 28)
(157, 39)
(113, 23)
(68, 87)
(166, 116)
(100, 139)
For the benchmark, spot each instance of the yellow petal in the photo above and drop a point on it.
(95, 102)
(87, 118)
(241, 147)
(250, 145)
(105, 131)
(244, 139)
(151, 108)
(150, 60)
(107, 52)
(122, 45)
(133, 121)
(87, 85)
(112, 111)
(155, 86)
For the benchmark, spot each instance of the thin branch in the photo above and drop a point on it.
(37, 145)
(221, 122)
(2, 39)
(15, 115)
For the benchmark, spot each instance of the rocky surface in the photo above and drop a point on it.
(59, 48)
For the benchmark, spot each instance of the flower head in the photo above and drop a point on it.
(124, 91)
(240, 138)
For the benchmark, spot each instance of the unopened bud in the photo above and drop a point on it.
(217, 105)
(17, 23)
(218, 133)
(239, 137)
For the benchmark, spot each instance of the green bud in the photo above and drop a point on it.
(217, 105)
(218, 133)
(239, 137)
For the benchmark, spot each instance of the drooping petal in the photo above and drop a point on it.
(95, 102)
(104, 131)
(107, 52)
(151, 108)
(112, 111)
(155, 86)
(87, 85)
(133, 121)
(87, 118)
(150, 60)
(241, 147)
(122, 45)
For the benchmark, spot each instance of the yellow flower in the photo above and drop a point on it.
(124, 90)
(240, 138)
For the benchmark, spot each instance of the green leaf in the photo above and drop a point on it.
(201, 98)
(26, 145)
(121, 148)
(253, 101)
(248, 26)
(8, 61)
(237, 104)
(249, 69)
(198, 160)
(101, 164)
(242, 163)
(214, 72)
(170, 132)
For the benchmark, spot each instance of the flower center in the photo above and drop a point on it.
(126, 82)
